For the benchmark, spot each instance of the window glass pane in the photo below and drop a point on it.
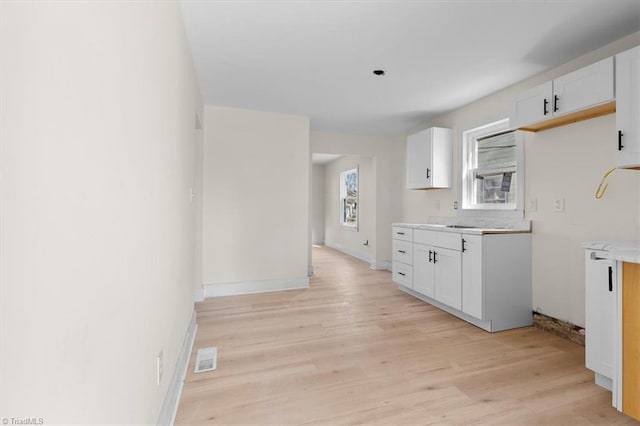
(494, 188)
(496, 150)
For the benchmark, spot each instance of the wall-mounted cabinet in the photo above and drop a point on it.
(429, 159)
(582, 94)
(627, 140)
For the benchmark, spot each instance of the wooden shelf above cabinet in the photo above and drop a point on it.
(586, 114)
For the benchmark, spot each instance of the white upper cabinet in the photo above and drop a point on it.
(533, 105)
(627, 139)
(429, 159)
(583, 88)
(581, 94)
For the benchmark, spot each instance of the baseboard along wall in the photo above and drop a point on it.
(172, 398)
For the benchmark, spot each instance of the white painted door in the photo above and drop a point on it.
(472, 276)
(583, 88)
(419, 160)
(423, 269)
(627, 139)
(600, 312)
(532, 106)
(448, 277)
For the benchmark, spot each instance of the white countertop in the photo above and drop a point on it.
(625, 251)
(478, 226)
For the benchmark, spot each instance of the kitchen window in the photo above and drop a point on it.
(493, 169)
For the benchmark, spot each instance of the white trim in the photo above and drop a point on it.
(489, 210)
(249, 287)
(172, 398)
(355, 253)
(309, 270)
(198, 295)
(381, 265)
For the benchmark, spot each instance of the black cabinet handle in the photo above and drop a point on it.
(401, 251)
(400, 233)
(428, 173)
(434, 257)
(544, 107)
(401, 273)
(555, 103)
(610, 278)
(620, 146)
(430, 253)
(463, 247)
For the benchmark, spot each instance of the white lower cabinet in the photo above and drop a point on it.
(402, 265)
(483, 279)
(447, 278)
(472, 288)
(423, 269)
(600, 316)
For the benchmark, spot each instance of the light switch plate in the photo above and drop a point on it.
(532, 205)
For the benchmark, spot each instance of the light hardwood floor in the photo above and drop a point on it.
(354, 349)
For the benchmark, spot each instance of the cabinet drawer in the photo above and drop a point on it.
(403, 251)
(403, 274)
(399, 233)
(449, 240)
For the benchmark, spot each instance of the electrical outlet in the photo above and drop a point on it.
(159, 368)
(532, 205)
(455, 205)
(436, 204)
(558, 205)
(192, 195)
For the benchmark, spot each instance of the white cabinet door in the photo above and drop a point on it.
(419, 160)
(600, 313)
(448, 277)
(423, 275)
(532, 106)
(429, 159)
(628, 108)
(472, 276)
(583, 88)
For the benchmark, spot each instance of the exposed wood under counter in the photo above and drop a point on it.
(631, 339)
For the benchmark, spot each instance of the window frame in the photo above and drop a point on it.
(344, 197)
(468, 205)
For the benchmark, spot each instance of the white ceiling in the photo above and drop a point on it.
(316, 58)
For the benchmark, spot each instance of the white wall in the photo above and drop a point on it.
(565, 162)
(317, 203)
(256, 196)
(98, 154)
(349, 239)
(385, 152)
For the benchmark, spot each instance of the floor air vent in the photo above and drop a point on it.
(206, 360)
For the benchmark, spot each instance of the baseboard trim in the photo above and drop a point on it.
(381, 265)
(346, 250)
(250, 287)
(309, 270)
(198, 295)
(172, 398)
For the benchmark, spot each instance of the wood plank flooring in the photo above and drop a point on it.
(354, 349)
